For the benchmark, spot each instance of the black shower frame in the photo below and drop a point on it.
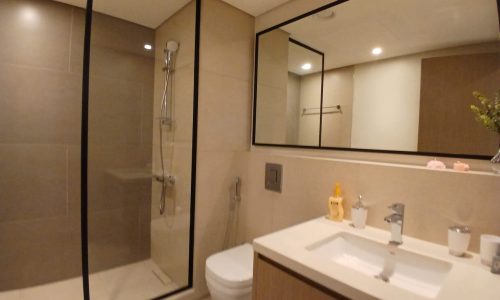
(84, 151)
(320, 147)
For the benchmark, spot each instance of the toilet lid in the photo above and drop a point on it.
(233, 267)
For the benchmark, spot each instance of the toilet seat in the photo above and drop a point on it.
(232, 269)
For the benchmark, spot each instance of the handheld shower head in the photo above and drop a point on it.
(172, 46)
(170, 50)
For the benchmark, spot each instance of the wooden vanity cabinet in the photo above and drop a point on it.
(272, 281)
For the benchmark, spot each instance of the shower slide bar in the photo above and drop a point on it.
(165, 119)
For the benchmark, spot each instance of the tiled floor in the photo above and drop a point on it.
(138, 281)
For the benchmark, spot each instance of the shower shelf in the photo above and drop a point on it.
(130, 174)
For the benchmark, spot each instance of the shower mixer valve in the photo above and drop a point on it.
(168, 179)
(166, 121)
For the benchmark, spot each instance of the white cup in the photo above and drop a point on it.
(458, 240)
(490, 247)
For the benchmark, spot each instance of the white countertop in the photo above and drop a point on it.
(467, 279)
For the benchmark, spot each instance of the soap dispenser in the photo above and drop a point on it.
(335, 204)
(359, 213)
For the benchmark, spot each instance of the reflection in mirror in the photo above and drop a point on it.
(403, 73)
(289, 87)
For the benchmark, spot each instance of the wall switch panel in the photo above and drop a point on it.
(274, 177)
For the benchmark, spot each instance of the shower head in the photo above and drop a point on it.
(170, 50)
(172, 46)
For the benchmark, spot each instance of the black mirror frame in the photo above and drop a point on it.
(320, 147)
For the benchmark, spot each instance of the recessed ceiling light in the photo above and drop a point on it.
(377, 51)
(306, 66)
(148, 47)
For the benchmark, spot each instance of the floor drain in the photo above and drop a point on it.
(158, 277)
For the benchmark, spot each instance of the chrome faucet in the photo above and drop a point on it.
(396, 220)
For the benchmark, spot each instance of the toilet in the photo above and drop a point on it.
(229, 273)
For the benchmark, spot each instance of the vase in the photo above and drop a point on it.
(495, 163)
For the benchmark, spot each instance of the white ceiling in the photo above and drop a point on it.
(256, 7)
(399, 27)
(149, 13)
(152, 13)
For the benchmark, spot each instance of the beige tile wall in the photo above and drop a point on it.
(120, 141)
(223, 125)
(40, 108)
(434, 200)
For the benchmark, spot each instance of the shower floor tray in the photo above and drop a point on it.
(141, 280)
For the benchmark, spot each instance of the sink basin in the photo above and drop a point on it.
(416, 273)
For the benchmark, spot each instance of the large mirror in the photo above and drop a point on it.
(398, 76)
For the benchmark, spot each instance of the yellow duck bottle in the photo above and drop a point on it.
(335, 205)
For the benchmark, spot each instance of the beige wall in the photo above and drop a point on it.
(170, 232)
(385, 108)
(226, 61)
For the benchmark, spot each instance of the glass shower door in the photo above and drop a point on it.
(140, 148)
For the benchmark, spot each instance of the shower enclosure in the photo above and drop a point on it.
(134, 129)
